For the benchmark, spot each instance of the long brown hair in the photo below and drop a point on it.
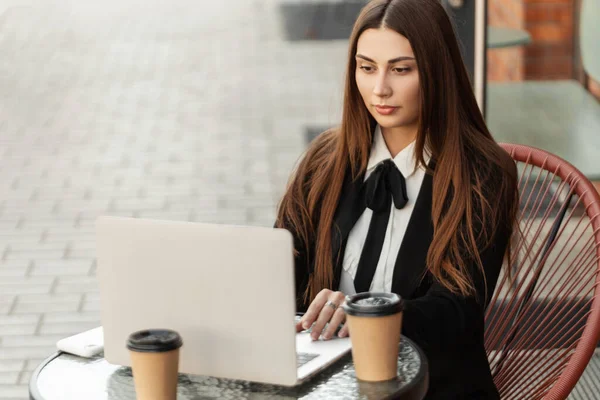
(470, 166)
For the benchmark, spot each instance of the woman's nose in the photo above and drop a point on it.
(382, 88)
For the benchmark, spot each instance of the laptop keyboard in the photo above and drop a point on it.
(303, 358)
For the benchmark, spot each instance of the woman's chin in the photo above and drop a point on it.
(389, 123)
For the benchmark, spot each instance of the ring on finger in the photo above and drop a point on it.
(331, 304)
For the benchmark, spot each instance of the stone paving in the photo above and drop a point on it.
(177, 110)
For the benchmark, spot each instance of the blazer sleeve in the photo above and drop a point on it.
(440, 318)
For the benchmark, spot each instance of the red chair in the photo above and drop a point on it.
(543, 323)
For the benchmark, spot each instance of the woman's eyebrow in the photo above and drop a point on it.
(393, 60)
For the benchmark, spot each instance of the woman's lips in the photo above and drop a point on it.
(385, 110)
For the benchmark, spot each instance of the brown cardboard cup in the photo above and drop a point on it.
(374, 323)
(155, 363)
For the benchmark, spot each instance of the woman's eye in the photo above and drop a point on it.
(402, 70)
(366, 68)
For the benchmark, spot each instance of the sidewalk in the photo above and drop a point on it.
(147, 110)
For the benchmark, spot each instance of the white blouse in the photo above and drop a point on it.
(396, 228)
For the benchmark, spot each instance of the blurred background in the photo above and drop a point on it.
(198, 111)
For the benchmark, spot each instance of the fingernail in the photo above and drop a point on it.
(326, 336)
(305, 325)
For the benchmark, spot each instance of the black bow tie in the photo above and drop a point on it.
(383, 185)
(385, 180)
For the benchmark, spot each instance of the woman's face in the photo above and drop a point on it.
(387, 78)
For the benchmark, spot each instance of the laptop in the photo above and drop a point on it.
(228, 290)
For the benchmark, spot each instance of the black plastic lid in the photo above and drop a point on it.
(373, 304)
(154, 341)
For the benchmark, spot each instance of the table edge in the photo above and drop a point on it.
(416, 389)
(34, 393)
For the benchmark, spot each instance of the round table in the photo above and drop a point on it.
(66, 377)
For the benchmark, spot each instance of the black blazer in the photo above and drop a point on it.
(448, 328)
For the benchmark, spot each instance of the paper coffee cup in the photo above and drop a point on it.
(155, 363)
(374, 323)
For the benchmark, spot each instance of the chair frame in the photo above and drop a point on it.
(586, 345)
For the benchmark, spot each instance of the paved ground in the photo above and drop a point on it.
(176, 111)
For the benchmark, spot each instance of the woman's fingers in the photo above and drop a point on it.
(325, 308)
(315, 308)
(324, 317)
(344, 331)
(327, 311)
(338, 318)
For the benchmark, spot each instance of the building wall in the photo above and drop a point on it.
(551, 53)
(550, 23)
(505, 64)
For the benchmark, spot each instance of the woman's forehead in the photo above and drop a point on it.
(383, 44)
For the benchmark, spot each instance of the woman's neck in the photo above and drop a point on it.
(398, 138)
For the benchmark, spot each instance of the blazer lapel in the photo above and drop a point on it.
(410, 264)
(350, 207)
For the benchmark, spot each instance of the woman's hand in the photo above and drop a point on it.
(324, 309)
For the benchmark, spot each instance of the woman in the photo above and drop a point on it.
(409, 195)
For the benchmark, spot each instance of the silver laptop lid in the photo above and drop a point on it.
(228, 290)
